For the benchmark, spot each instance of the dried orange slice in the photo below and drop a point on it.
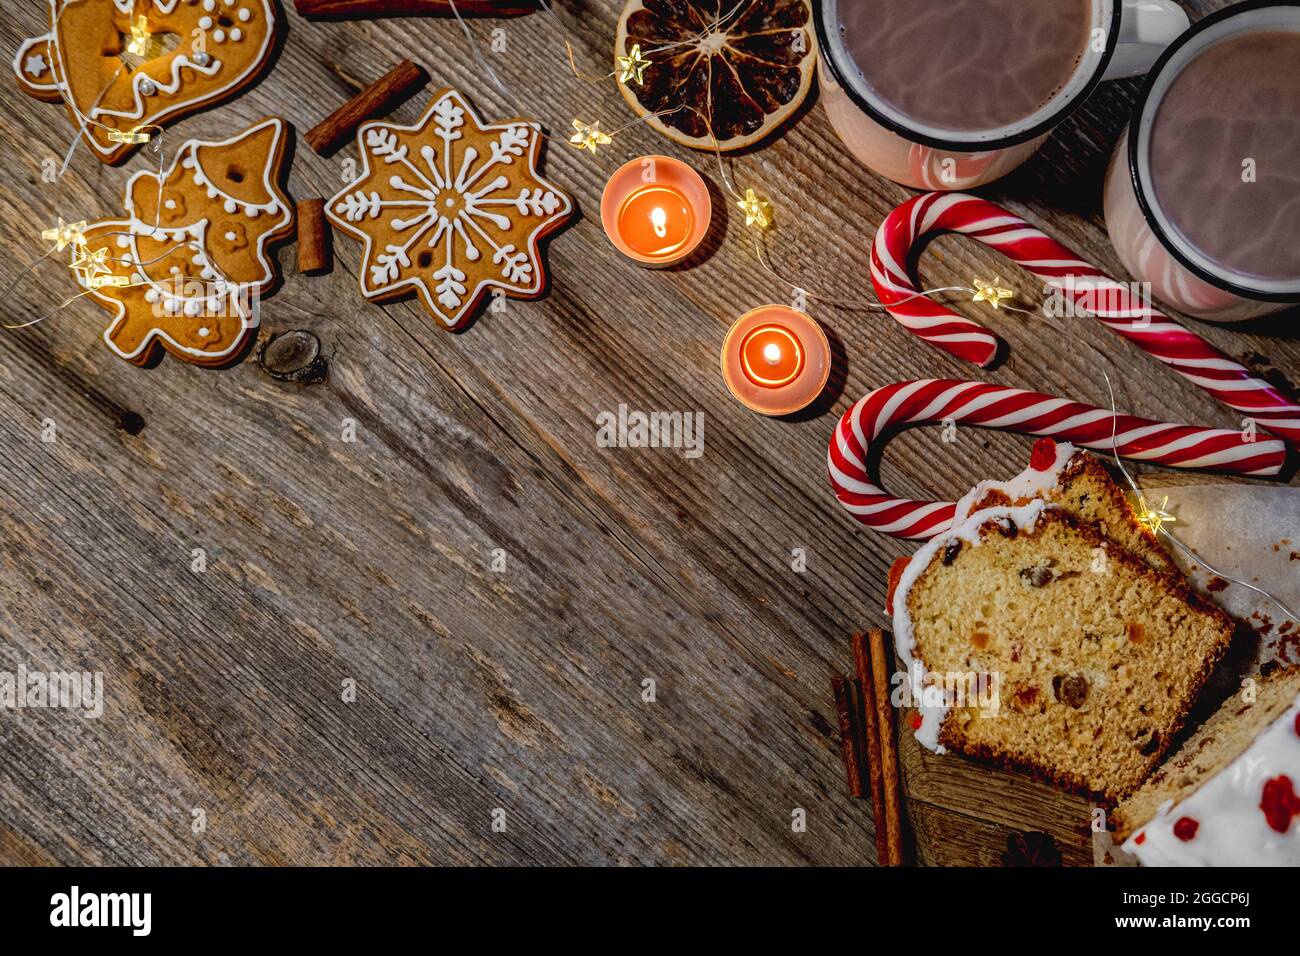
(742, 66)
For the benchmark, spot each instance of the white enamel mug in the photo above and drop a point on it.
(1127, 38)
(1151, 249)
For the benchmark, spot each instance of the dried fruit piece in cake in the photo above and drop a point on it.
(1235, 779)
(1016, 598)
(123, 64)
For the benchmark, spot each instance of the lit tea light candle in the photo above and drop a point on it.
(776, 360)
(656, 210)
(771, 356)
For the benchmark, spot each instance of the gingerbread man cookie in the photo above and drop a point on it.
(121, 66)
(450, 207)
(184, 270)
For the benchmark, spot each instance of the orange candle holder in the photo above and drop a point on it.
(656, 210)
(776, 360)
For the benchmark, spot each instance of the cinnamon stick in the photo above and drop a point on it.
(377, 99)
(358, 9)
(850, 740)
(313, 238)
(871, 735)
(881, 669)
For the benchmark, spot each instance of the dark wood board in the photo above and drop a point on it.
(371, 561)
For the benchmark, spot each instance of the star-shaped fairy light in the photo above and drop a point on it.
(65, 233)
(758, 211)
(135, 136)
(1154, 518)
(450, 207)
(589, 136)
(141, 43)
(992, 292)
(631, 68)
(91, 267)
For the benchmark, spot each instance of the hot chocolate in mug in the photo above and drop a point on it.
(1203, 193)
(951, 94)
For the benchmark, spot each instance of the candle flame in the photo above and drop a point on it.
(659, 220)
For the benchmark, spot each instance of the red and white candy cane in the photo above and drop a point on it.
(1028, 413)
(1111, 303)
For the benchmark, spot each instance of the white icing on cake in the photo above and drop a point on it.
(929, 705)
(1232, 829)
(1030, 483)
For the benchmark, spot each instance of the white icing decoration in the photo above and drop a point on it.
(1030, 483)
(1233, 830)
(230, 236)
(169, 204)
(424, 187)
(35, 65)
(236, 35)
(205, 23)
(230, 203)
(245, 14)
(169, 86)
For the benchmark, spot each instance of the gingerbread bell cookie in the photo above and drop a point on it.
(450, 207)
(124, 66)
(184, 269)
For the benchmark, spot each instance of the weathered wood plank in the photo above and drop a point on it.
(372, 561)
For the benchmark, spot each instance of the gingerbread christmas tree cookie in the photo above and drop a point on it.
(124, 66)
(184, 269)
(450, 207)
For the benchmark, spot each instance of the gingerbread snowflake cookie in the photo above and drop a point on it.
(122, 66)
(451, 207)
(183, 271)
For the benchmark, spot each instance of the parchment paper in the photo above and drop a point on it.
(1251, 533)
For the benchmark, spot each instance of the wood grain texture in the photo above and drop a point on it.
(371, 561)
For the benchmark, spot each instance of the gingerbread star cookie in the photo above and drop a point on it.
(450, 207)
(122, 66)
(184, 270)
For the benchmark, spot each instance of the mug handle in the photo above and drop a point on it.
(1146, 28)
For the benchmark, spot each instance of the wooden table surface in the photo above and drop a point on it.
(483, 695)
